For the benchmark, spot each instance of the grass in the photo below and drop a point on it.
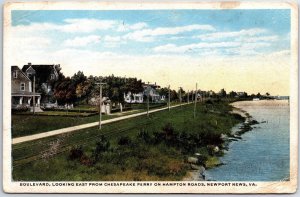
(25, 123)
(29, 124)
(57, 113)
(85, 107)
(136, 158)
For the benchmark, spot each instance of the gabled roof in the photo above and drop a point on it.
(16, 68)
(42, 71)
(39, 68)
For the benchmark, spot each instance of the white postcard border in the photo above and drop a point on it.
(261, 187)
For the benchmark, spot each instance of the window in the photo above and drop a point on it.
(22, 87)
(15, 74)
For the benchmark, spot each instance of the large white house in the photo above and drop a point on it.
(149, 90)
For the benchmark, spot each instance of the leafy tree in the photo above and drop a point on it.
(65, 91)
(232, 94)
(258, 95)
(222, 93)
(173, 95)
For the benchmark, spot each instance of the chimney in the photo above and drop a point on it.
(29, 63)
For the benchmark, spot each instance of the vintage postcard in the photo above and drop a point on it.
(150, 97)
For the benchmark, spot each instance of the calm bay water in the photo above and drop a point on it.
(263, 153)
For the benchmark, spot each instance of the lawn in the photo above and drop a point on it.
(24, 123)
(58, 113)
(137, 149)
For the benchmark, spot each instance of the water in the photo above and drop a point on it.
(263, 153)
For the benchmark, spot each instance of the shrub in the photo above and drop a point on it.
(102, 145)
(145, 136)
(76, 153)
(85, 160)
(168, 130)
(124, 140)
(20, 108)
(209, 101)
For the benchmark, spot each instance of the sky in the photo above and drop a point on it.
(240, 50)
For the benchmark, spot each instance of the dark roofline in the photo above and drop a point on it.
(17, 67)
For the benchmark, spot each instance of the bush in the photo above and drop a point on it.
(124, 140)
(20, 108)
(76, 153)
(145, 136)
(102, 145)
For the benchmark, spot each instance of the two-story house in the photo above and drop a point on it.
(45, 76)
(21, 89)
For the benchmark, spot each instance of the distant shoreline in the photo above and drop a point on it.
(240, 104)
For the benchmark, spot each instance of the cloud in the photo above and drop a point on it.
(148, 35)
(190, 47)
(271, 38)
(82, 41)
(30, 43)
(83, 25)
(230, 48)
(135, 26)
(248, 49)
(282, 53)
(232, 34)
(112, 38)
(34, 28)
(87, 25)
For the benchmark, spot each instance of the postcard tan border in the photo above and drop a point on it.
(262, 187)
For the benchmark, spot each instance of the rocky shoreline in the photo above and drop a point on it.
(197, 172)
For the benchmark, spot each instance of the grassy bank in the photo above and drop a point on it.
(141, 148)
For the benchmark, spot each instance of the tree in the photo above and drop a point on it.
(222, 93)
(65, 91)
(133, 85)
(164, 91)
(258, 95)
(83, 86)
(173, 95)
(232, 94)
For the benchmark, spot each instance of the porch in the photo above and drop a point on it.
(26, 100)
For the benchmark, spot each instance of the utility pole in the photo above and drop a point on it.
(169, 98)
(180, 99)
(33, 101)
(148, 102)
(100, 103)
(195, 102)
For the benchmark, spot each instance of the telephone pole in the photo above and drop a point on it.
(180, 99)
(195, 102)
(148, 104)
(169, 99)
(100, 103)
(33, 101)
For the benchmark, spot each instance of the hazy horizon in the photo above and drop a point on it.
(239, 50)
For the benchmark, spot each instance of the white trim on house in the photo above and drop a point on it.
(22, 88)
(30, 87)
(15, 74)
